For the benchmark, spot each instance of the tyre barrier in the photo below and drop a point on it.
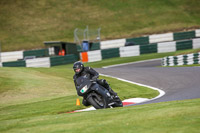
(187, 59)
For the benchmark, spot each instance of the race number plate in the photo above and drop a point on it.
(84, 89)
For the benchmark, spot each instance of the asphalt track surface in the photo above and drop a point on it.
(178, 83)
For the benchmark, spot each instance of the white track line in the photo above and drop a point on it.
(162, 93)
(130, 63)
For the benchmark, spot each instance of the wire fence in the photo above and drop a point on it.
(90, 35)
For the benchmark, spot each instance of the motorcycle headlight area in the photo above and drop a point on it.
(84, 89)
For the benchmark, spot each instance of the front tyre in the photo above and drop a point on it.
(97, 101)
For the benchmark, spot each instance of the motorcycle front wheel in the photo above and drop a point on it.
(97, 101)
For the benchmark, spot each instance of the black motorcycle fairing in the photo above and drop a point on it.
(100, 90)
(82, 82)
(92, 91)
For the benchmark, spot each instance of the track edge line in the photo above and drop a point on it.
(161, 92)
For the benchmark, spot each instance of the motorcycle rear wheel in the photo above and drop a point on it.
(118, 103)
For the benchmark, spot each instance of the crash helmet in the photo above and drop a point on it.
(78, 67)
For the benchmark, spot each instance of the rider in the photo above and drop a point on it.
(80, 70)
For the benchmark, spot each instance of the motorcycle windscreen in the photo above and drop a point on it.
(83, 84)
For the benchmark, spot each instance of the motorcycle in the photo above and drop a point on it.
(95, 94)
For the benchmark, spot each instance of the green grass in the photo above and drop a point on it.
(176, 117)
(34, 92)
(21, 85)
(193, 65)
(27, 24)
(24, 84)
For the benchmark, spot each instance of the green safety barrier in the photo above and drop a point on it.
(37, 53)
(184, 45)
(184, 35)
(139, 40)
(61, 60)
(110, 53)
(95, 46)
(14, 64)
(145, 49)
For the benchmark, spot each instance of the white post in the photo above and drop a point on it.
(99, 34)
(88, 37)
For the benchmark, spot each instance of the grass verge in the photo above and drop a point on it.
(193, 65)
(27, 93)
(176, 116)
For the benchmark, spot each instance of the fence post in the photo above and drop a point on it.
(0, 51)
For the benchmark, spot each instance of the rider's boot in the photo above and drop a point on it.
(110, 90)
(104, 83)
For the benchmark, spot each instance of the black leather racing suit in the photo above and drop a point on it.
(92, 74)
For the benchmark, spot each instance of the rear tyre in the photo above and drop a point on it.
(118, 103)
